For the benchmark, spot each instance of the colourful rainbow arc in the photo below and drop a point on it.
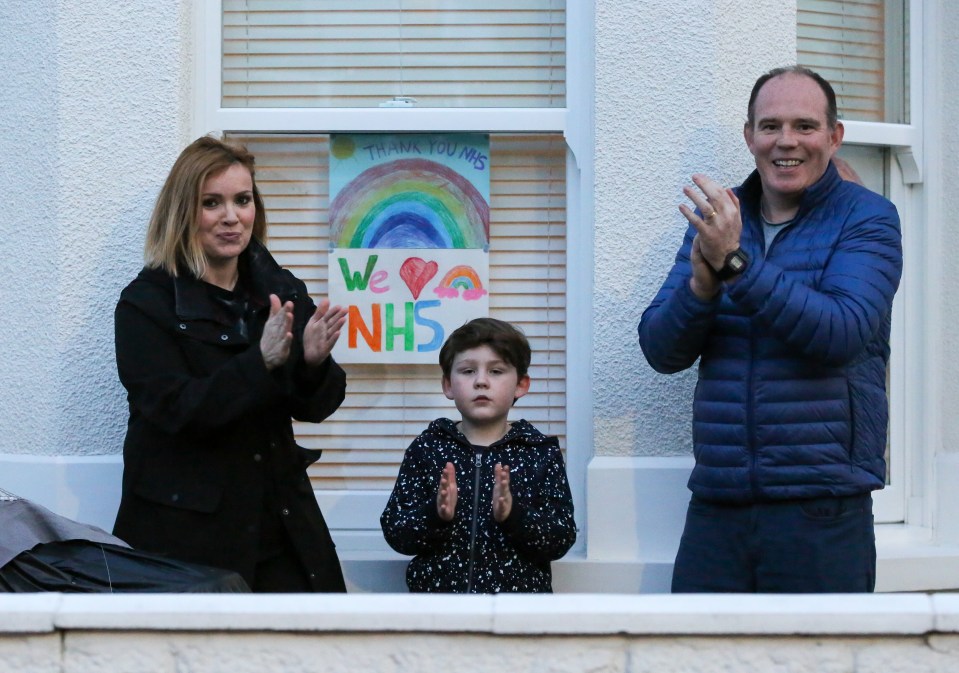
(461, 278)
(409, 203)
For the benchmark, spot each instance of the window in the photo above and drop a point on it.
(861, 48)
(388, 405)
(459, 53)
(282, 75)
(864, 49)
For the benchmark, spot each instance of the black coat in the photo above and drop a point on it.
(210, 460)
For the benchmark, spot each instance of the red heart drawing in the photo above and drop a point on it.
(416, 273)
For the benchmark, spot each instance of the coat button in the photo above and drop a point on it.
(257, 457)
(182, 325)
(286, 512)
(224, 337)
(175, 497)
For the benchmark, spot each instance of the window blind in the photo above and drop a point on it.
(456, 53)
(386, 406)
(844, 41)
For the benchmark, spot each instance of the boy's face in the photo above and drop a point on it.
(483, 386)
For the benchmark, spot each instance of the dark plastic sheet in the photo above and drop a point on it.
(82, 566)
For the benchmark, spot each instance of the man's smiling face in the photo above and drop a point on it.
(790, 138)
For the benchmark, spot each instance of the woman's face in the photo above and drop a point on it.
(226, 215)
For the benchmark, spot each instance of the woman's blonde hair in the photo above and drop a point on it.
(171, 241)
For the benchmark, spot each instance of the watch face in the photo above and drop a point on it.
(735, 263)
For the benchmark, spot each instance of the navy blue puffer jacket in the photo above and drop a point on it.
(791, 397)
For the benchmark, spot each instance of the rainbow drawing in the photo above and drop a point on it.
(461, 278)
(409, 203)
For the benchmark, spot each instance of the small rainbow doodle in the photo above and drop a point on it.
(409, 203)
(460, 278)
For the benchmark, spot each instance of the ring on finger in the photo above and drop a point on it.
(711, 215)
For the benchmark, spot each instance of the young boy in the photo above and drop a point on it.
(482, 504)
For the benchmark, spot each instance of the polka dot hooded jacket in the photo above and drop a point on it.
(473, 553)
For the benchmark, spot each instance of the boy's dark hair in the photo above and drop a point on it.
(504, 339)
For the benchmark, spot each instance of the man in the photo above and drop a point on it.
(783, 289)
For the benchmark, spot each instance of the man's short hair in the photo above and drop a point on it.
(506, 340)
(832, 112)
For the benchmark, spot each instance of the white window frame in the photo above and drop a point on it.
(904, 178)
(350, 513)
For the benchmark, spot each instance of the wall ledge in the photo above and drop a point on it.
(582, 614)
(910, 559)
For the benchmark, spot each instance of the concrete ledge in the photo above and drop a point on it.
(570, 614)
(28, 613)
(717, 615)
(636, 507)
(909, 559)
(485, 634)
(946, 610)
(278, 612)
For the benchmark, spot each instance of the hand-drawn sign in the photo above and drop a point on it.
(409, 241)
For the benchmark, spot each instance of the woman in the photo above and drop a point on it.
(218, 347)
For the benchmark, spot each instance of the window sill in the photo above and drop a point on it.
(910, 560)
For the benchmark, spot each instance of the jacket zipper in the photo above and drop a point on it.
(750, 388)
(477, 464)
(751, 417)
(751, 396)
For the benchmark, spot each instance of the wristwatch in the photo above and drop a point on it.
(734, 264)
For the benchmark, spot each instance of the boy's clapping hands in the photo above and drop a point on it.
(502, 497)
(448, 493)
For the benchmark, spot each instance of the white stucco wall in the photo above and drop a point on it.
(97, 102)
(671, 94)
(29, 229)
(96, 106)
(949, 153)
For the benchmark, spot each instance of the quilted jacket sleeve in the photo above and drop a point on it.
(674, 327)
(830, 321)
